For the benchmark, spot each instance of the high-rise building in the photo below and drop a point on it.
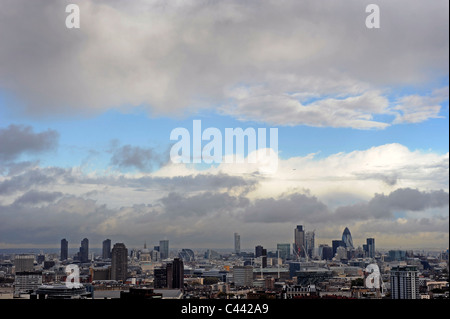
(335, 244)
(284, 251)
(160, 278)
(370, 242)
(310, 245)
(243, 276)
(106, 251)
(299, 242)
(64, 249)
(347, 239)
(258, 251)
(119, 262)
(171, 276)
(404, 282)
(326, 252)
(83, 254)
(237, 243)
(164, 249)
(177, 273)
(23, 263)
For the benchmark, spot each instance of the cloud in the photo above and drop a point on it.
(16, 140)
(316, 63)
(37, 197)
(135, 157)
(416, 108)
(401, 200)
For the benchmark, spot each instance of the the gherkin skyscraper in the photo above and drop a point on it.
(347, 239)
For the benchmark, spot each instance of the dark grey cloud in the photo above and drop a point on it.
(295, 208)
(135, 157)
(403, 199)
(37, 197)
(31, 178)
(16, 140)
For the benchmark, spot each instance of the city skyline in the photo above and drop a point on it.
(362, 116)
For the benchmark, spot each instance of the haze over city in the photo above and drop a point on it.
(86, 116)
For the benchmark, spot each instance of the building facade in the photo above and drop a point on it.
(404, 282)
(119, 262)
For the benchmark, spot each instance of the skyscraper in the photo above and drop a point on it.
(237, 243)
(119, 262)
(64, 249)
(164, 249)
(310, 245)
(83, 255)
(370, 242)
(347, 239)
(335, 244)
(258, 251)
(404, 282)
(106, 251)
(299, 242)
(284, 251)
(177, 274)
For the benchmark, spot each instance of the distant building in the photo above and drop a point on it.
(404, 282)
(335, 244)
(347, 239)
(106, 251)
(397, 255)
(64, 249)
(310, 243)
(24, 263)
(164, 249)
(187, 255)
(171, 276)
(326, 252)
(119, 262)
(299, 242)
(284, 251)
(370, 250)
(83, 254)
(237, 243)
(243, 276)
(258, 251)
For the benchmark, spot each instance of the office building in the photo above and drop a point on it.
(347, 239)
(160, 278)
(119, 262)
(164, 249)
(243, 276)
(284, 251)
(370, 244)
(64, 249)
(326, 252)
(23, 263)
(258, 251)
(397, 255)
(177, 269)
(299, 242)
(237, 243)
(171, 276)
(404, 282)
(310, 245)
(106, 250)
(335, 244)
(83, 254)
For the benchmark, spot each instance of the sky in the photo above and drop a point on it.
(86, 115)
